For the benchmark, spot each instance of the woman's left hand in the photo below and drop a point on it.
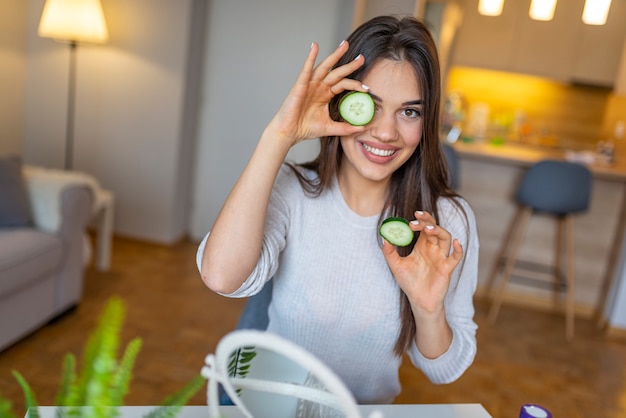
(424, 274)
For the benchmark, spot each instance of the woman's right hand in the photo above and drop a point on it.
(304, 114)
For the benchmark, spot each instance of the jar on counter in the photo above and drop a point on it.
(530, 410)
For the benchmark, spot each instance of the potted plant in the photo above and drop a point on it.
(98, 389)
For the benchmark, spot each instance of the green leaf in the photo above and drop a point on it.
(121, 378)
(239, 361)
(5, 409)
(173, 404)
(68, 378)
(29, 396)
(103, 356)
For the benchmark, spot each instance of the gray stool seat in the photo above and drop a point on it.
(560, 189)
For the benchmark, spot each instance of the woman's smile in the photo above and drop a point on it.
(375, 153)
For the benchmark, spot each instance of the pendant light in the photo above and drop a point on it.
(596, 11)
(542, 9)
(490, 7)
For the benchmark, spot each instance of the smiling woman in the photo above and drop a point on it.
(313, 227)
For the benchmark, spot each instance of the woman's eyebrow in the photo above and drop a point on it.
(409, 103)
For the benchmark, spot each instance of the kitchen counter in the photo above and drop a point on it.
(489, 175)
(524, 156)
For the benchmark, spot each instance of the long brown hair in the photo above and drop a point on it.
(423, 178)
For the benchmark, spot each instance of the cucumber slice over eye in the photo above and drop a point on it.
(396, 231)
(357, 108)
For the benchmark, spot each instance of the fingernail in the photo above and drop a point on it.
(430, 227)
(357, 57)
(415, 222)
(365, 86)
(420, 212)
(342, 42)
(312, 43)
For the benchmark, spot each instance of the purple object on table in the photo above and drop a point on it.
(534, 411)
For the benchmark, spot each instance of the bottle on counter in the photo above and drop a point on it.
(606, 149)
(530, 410)
(453, 117)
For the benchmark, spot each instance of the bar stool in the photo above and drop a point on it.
(560, 189)
(452, 160)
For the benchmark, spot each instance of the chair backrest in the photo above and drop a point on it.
(452, 158)
(557, 187)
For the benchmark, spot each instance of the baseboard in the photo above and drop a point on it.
(616, 333)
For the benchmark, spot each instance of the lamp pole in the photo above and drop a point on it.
(71, 105)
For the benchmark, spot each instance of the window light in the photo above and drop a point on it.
(596, 11)
(542, 9)
(490, 7)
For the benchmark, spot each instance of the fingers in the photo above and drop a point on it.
(329, 62)
(433, 234)
(335, 78)
(309, 63)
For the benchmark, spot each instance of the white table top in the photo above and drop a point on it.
(389, 411)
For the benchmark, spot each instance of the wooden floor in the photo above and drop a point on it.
(523, 358)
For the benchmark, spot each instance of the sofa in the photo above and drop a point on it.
(44, 215)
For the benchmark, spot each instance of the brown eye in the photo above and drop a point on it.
(412, 113)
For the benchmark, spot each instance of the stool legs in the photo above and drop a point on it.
(509, 250)
(569, 277)
(519, 222)
(503, 250)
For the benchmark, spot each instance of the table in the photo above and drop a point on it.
(389, 411)
(103, 218)
(524, 156)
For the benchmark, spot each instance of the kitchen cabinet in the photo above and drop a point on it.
(563, 49)
(600, 48)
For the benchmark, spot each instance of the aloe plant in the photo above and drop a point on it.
(103, 381)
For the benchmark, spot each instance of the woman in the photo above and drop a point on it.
(352, 299)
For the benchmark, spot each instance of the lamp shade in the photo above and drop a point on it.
(74, 21)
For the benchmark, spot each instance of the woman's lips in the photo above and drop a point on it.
(378, 155)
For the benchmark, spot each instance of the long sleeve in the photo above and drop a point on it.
(458, 303)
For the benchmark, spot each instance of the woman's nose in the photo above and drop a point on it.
(384, 127)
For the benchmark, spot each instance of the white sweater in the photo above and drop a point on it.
(335, 296)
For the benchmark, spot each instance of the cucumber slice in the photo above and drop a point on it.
(396, 231)
(357, 108)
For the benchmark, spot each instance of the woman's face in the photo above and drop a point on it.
(392, 136)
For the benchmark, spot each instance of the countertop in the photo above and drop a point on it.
(525, 155)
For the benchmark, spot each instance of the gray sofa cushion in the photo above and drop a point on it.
(27, 255)
(14, 204)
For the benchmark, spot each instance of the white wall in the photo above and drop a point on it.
(130, 121)
(12, 74)
(616, 306)
(255, 50)
(138, 98)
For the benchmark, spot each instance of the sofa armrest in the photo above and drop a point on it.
(77, 202)
(45, 190)
(63, 204)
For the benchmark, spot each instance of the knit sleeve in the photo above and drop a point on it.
(458, 302)
(284, 196)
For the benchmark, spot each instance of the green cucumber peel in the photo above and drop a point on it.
(396, 231)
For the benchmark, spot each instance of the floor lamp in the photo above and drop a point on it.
(72, 22)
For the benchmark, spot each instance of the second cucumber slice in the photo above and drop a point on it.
(397, 231)
(357, 108)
